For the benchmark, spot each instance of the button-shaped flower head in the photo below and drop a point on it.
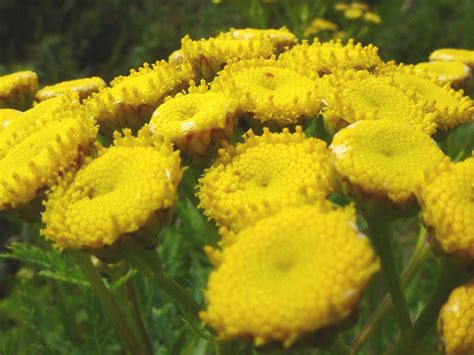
(208, 56)
(384, 159)
(288, 276)
(447, 201)
(36, 148)
(131, 100)
(324, 58)
(450, 107)
(281, 38)
(257, 178)
(450, 54)
(353, 96)
(456, 74)
(269, 91)
(17, 90)
(129, 185)
(456, 321)
(84, 87)
(195, 121)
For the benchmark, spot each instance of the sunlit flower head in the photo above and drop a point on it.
(326, 57)
(262, 175)
(386, 159)
(460, 55)
(450, 107)
(447, 201)
(17, 90)
(353, 96)
(131, 100)
(7, 115)
(114, 195)
(456, 321)
(372, 17)
(195, 121)
(269, 91)
(31, 163)
(281, 38)
(319, 24)
(453, 73)
(208, 56)
(288, 276)
(84, 87)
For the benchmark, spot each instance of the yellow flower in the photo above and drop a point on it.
(359, 6)
(372, 17)
(208, 56)
(288, 276)
(270, 91)
(130, 184)
(131, 100)
(324, 58)
(341, 6)
(197, 121)
(84, 87)
(320, 24)
(31, 163)
(447, 202)
(262, 175)
(460, 55)
(17, 90)
(386, 159)
(353, 96)
(456, 321)
(281, 38)
(7, 115)
(353, 13)
(457, 74)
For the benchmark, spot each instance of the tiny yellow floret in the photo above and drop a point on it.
(384, 158)
(17, 90)
(7, 115)
(456, 321)
(447, 201)
(288, 276)
(84, 87)
(113, 195)
(257, 178)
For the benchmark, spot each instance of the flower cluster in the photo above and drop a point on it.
(325, 118)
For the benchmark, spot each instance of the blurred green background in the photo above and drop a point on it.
(45, 305)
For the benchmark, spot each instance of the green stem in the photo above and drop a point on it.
(416, 261)
(108, 302)
(450, 277)
(148, 262)
(381, 235)
(137, 317)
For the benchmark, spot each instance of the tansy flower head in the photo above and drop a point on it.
(456, 321)
(372, 17)
(459, 55)
(324, 58)
(320, 24)
(450, 107)
(262, 175)
(208, 56)
(33, 163)
(281, 38)
(456, 74)
(129, 185)
(195, 121)
(269, 91)
(385, 159)
(353, 96)
(131, 100)
(17, 90)
(84, 87)
(288, 276)
(38, 117)
(7, 115)
(447, 201)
